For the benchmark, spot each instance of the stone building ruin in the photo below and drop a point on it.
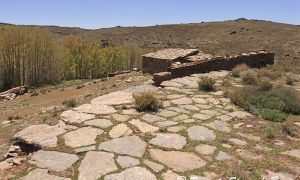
(173, 63)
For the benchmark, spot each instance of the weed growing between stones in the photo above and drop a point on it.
(249, 77)
(146, 102)
(206, 84)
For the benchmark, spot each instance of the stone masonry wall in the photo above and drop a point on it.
(252, 59)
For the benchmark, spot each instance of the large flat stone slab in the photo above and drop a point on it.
(120, 130)
(53, 160)
(82, 137)
(184, 162)
(98, 109)
(169, 140)
(95, 165)
(127, 161)
(131, 145)
(201, 133)
(219, 125)
(38, 174)
(143, 127)
(151, 118)
(134, 173)
(115, 98)
(75, 117)
(182, 101)
(102, 123)
(41, 135)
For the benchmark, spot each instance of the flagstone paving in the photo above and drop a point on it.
(195, 134)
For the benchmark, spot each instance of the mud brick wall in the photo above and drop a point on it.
(153, 65)
(254, 60)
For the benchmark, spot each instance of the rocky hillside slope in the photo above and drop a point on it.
(228, 37)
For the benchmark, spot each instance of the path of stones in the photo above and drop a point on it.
(104, 140)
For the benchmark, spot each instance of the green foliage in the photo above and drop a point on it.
(270, 133)
(271, 104)
(31, 56)
(206, 84)
(236, 71)
(289, 97)
(249, 77)
(273, 115)
(70, 103)
(146, 102)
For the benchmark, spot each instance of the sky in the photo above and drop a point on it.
(93, 14)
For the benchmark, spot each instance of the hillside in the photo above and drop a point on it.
(222, 38)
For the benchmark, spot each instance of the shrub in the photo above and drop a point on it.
(146, 102)
(289, 97)
(264, 84)
(70, 103)
(236, 71)
(290, 129)
(206, 84)
(238, 97)
(270, 133)
(273, 115)
(249, 77)
(262, 100)
(269, 72)
(290, 80)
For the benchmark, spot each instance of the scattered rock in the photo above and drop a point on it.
(295, 153)
(127, 161)
(201, 133)
(171, 84)
(53, 160)
(237, 141)
(131, 145)
(239, 114)
(223, 156)
(95, 165)
(186, 162)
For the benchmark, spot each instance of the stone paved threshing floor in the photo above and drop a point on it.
(198, 135)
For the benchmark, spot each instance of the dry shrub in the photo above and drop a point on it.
(264, 84)
(206, 84)
(236, 71)
(269, 72)
(249, 77)
(146, 102)
(290, 80)
(70, 103)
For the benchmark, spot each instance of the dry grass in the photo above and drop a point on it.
(236, 71)
(146, 102)
(206, 84)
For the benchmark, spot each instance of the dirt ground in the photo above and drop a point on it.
(27, 110)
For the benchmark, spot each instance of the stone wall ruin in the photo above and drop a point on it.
(173, 63)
